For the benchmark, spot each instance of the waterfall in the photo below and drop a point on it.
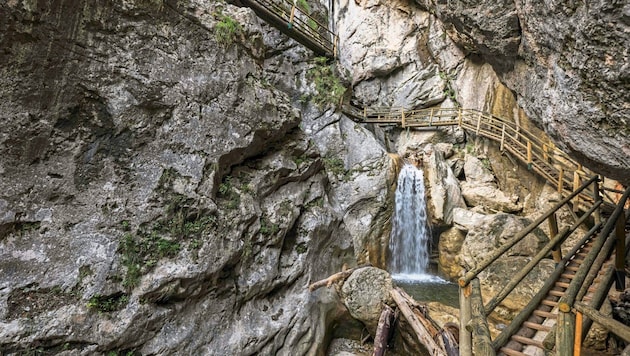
(408, 243)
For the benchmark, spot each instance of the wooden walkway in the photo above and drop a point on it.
(540, 155)
(296, 23)
(555, 320)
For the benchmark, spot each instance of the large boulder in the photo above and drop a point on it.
(365, 292)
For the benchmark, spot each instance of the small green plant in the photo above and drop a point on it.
(125, 225)
(334, 166)
(301, 248)
(303, 4)
(227, 29)
(108, 303)
(328, 86)
(227, 192)
(267, 228)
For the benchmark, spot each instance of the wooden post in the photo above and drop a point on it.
(577, 341)
(335, 42)
(502, 137)
(365, 113)
(465, 336)
(482, 343)
(620, 254)
(530, 162)
(431, 118)
(459, 117)
(576, 183)
(556, 252)
(596, 197)
(565, 330)
(560, 180)
(545, 155)
(292, 16)
(402, 117)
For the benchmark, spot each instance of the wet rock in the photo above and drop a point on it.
(449, 247)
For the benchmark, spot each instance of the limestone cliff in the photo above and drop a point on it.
(166, 186)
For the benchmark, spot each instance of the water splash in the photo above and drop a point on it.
(408, 243)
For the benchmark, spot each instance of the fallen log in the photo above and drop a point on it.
(381, 339)
(339, 276)
(418, 327)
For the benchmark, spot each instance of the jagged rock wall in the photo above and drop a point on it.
(163, 190)
(566, 61)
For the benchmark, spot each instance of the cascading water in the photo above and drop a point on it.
(408, 243)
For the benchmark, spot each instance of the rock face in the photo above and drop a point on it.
(567, 63)
(365, 292)
(163, 191)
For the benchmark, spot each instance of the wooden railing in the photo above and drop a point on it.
(474, 333)
(540, 156)
(296, 23)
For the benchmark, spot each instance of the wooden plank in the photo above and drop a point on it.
(545, 314)
(550, 303)
(465, 336)
(527, 341)
(536, 326)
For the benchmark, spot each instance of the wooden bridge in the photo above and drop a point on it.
(559, 316)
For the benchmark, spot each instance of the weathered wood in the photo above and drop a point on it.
(339, 276)
(423, 336)
(465, 336)
(620, 253)
(482, 342)
(518, 237)
(523, 272)
(577, 340)
(612, 325)
(382, 331)
(556, 252)
(518, 320)
(565, 333)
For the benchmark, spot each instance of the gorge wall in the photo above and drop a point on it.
(168, 183)
(163, 188)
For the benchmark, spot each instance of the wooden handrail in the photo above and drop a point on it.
(518, 237)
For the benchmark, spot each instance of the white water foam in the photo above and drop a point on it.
(408, 243)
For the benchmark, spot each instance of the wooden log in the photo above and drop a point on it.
(518, 237)
(556, 252)
(612, 325)
(381, 338)
(465, 336)
(482, 342)
(339, 276)
(565, 333)
(620, 253)
(423, 336)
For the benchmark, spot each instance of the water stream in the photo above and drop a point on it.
(409, 241)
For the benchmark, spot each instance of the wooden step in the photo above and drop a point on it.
(562, 284)
(572, 268)
(527, 341)
(536, 326)
(545, 314)
(511, 352)
(567, 276)
(557, 293)
(548, 302)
